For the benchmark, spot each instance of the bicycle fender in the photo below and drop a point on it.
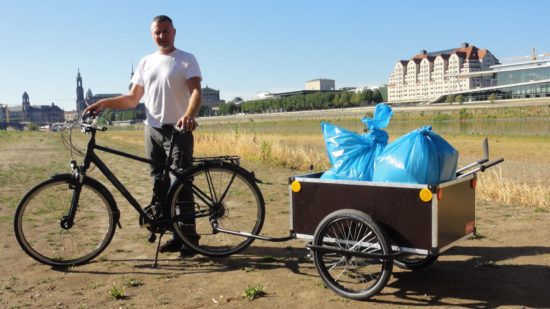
(103, 190)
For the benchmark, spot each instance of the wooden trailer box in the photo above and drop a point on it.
(423, 219)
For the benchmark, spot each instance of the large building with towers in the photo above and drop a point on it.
(469, 72)
(39, 114)
(429, 75)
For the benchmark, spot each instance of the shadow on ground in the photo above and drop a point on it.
(479, 277)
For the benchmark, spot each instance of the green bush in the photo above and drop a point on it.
(492, 98)
(32, 126)
(464, 114)
(450, 98)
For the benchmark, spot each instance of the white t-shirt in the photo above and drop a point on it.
(164, 78)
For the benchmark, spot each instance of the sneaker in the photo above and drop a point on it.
(172, 245)
(186, 252)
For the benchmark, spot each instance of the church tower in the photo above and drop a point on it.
(80, 103)
(25, 108)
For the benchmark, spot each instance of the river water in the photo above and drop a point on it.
(508, 127)
(503, 127)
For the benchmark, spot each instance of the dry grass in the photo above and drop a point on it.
(493, 186)
(272, 149)
(290, 152)
(523, 182)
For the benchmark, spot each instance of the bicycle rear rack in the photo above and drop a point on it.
(234, 160)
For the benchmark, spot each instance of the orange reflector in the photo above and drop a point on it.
(296, 186)
(439, 194)
(470, 227)
(425, 195)
(473, 183)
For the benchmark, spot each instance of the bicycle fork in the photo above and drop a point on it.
(67, 220)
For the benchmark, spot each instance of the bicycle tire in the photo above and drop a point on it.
(351, 276)
(414, 262)
(38, 217)
(225, 193)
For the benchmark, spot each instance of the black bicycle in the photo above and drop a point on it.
(215, 206)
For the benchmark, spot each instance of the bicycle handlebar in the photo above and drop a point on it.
(87, 122)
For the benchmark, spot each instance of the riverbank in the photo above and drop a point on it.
(506, 265)
(499, 109)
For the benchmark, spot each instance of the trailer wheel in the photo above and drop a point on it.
(346, 274)
(415, 261)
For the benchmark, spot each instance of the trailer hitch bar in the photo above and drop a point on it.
(260, 237)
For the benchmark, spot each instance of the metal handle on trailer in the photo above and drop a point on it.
(480, 165)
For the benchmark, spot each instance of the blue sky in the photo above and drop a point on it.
(247, 46)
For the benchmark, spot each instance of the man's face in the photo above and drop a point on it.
(163, 35)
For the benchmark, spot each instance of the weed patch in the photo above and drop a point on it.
(118, 293)
(253, 292)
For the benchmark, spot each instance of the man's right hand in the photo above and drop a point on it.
(127, 101)
(94, 109)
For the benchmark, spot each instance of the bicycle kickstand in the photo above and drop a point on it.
(156, 264)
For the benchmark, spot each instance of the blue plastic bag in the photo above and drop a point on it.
(351, 154)
(420, 157)
(381, 119)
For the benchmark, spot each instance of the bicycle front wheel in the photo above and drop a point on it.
(227, 195)
(40, 223)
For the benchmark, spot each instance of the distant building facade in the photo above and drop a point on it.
(83, 101)
(210, 97)
(321, 84)
(40, 114)
(518, 80)
(312, 86)
(430, 75)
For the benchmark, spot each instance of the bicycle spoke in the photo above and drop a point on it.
(347, 274)
(211, 186)
(202, 196)
(226, 196)
(227, 188)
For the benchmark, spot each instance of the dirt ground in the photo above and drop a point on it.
(508, 265)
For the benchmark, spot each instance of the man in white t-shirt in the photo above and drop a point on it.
(169, 80)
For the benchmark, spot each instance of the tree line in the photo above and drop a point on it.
(313, 101)
(123, 115)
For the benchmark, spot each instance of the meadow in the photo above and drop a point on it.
(512, 212)
(519, 134)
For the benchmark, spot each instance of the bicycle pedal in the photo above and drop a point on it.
(152, 237)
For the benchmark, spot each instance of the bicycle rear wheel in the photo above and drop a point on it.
(225, 194)
(39, 222)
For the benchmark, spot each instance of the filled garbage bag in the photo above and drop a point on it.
(381, 118)
(352, 155)
(419, 157)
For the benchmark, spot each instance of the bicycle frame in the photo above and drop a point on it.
(91, 157)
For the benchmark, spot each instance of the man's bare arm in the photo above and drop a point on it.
(126, 101)
(187, 122)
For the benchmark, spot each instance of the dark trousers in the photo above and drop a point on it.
(157, 146)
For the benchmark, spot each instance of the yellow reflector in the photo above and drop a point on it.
(425, 195)
(296, 186)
